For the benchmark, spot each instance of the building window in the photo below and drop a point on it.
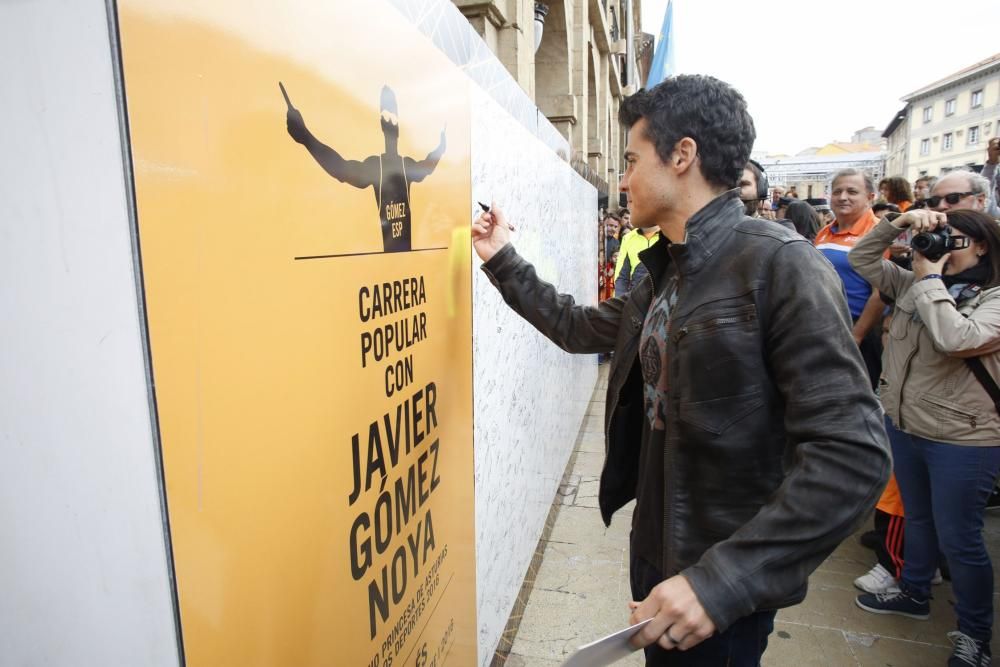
(973, 135)
(977, 99)
(925, 146)
(949, 107)
(948, 142)
(928, 114)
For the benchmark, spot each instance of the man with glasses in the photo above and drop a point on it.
(959, 189)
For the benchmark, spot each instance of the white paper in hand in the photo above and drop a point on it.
(606, 650)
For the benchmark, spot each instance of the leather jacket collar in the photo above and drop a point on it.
(701, 241)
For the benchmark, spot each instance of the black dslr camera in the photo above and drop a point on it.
(934, 245)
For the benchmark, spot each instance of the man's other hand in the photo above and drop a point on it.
(490, 232)
(993, 150)
(679, 620)
(296, 125)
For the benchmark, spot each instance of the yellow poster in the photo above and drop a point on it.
(302, 191)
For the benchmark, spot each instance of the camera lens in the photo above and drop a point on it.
(931, 245)
(922, 242)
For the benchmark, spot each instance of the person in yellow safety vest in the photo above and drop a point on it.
(629, 269)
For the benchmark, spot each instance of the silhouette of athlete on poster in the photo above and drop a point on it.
(389, 174)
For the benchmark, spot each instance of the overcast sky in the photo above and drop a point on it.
(813, 73)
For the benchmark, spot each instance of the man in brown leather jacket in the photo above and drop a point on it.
(739, 414)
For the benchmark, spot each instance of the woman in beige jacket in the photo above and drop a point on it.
(942, 423)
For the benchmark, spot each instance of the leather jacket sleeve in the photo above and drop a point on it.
(837, 455)
(574, 328)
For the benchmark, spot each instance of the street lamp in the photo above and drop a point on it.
(541, 10)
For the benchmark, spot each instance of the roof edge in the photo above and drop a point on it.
(972, 70)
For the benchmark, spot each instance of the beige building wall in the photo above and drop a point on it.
(956, 137)
(576, 77)
(897, 150)
(508, 29)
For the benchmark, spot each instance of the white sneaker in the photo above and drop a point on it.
(937, 579)
(878, 580)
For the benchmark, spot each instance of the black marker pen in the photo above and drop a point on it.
(486, 209)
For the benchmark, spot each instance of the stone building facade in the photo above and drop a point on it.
(588, 56)
(947, 124)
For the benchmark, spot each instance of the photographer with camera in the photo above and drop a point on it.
(940, 397)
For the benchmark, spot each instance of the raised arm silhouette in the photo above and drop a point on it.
(388, 174)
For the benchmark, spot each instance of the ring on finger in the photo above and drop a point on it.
(675, 642)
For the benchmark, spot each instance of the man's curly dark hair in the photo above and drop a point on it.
(710, 111)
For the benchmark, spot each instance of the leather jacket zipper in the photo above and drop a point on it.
(719, 322)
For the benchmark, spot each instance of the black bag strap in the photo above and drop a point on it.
(985, 379)
(974, 363)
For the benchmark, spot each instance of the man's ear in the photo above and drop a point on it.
(684, 155)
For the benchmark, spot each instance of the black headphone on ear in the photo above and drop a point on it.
(763, 186)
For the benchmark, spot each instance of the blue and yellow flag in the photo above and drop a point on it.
(663, 59)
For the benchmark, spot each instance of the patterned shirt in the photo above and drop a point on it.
(647, 520)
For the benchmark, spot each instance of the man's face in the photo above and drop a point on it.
(953, 191)
(748, 185)
(647, 182)
(611, 226)
(748, 193)
(920, 190)
(849, 198)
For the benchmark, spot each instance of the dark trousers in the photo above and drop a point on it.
(741, 645)
(871, 354)
(945, 488)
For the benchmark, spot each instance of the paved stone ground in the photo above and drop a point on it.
(581, 589)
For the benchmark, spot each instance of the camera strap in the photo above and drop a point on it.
(985, 379)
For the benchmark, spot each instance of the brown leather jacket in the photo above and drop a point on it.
(775, 448)
(927, 389)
